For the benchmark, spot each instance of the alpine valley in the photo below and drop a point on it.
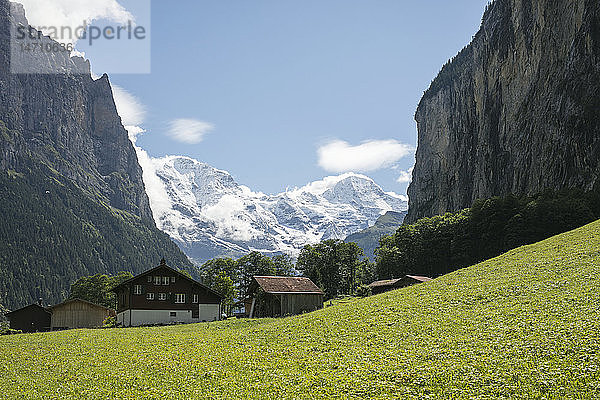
(209, 214)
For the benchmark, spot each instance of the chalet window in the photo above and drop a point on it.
(162, 296)
(165, 280)
(194, 298)
(180, 298)
(157, 280)
(149, 278)
(196, 313)
(137, 289)
(149, 296)
(172, 279)
(173, 313)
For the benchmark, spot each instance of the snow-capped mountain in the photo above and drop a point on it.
(210, 215)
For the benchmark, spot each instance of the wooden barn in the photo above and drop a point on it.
(276, 296)
(32, 318)
(77, 313)
(392, 284)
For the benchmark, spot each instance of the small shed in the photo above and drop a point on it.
(31, 318)
(392, 284)
(276, 296)
(77, 313)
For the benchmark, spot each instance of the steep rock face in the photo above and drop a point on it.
(68, 121)
(72, 198)
(517, 111)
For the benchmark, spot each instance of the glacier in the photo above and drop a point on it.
(208, 214)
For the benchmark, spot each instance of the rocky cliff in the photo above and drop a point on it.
(67, 120)
(72, 198)
(516, 111)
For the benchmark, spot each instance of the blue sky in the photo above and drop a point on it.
(273, 81)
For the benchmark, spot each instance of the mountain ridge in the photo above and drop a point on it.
(368, 239)
(210, 215)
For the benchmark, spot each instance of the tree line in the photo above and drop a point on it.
(442, 244)
(431, 247)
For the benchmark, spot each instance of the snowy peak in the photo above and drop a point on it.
(361, 191)
(192, 178)
(210, 215)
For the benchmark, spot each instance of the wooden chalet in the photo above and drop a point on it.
(392, 284)
(77, 313)
(164, 295)
(275, 296)
(31, 318)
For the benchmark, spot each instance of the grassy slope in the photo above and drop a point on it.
(523, 325)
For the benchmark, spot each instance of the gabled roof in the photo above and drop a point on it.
(163, 265)
(392, 282)
(287, 284)
(29, 306)
(80, 301)
(387, 282)
(419, 278)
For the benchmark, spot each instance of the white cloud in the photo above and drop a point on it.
(73, 13)
(132, 112)
(228, 214)
(189, 131)
(130, 108)
(405, 176)
(339, 156)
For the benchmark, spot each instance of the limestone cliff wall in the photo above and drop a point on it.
(517, 111)
(68, 121)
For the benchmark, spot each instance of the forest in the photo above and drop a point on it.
(442, 244)
(53, 233)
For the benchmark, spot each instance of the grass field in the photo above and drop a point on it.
(524, 325)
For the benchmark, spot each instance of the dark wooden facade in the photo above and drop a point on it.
(32, 318)
(277, 296)
(163, 289)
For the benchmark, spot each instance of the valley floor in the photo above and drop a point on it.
(523, 325)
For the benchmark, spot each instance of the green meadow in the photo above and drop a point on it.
(525, 325)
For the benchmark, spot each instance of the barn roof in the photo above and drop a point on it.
(419, 278)
(79, 301)
(287, 284)
(392, 282)
(27, 307)
(387, 282)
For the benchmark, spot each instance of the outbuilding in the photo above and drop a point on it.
(276, 296)
(31, 318)
(392, 284)
(77, 313)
